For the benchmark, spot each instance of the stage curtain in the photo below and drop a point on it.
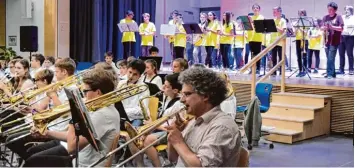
(81, 29)
(107, 14)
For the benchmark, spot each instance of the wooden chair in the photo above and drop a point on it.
(243, 158)
(113, 147)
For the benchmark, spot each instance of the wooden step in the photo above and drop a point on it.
(299, 99)
(293, 110)
(284, 122)
(284, 132)
(283, 135)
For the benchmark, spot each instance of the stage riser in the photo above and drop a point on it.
(292, 112)
(298, 100)
(342, 105)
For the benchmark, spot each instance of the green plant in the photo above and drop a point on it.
(7, 53)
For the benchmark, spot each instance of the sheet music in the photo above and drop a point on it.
(123, 27)
(167, 30)
(132, 27)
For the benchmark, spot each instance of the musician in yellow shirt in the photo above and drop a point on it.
(301, 57)
(281, 28)
(180, 38)
(199, 52)
(171, 38)
(211, 34)
(240, 40)
(315, 44)
(128, 38)
(257, 39)
(147, 31)
(226, 39)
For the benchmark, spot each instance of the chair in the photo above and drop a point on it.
(263, 92)
(243, 160)
(83, 65)
(113, 147)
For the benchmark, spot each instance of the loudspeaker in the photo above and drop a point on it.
(28, 38)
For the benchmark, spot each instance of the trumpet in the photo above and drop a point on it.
(151, 127)
(42, 119)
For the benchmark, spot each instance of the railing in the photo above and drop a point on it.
(252, 65)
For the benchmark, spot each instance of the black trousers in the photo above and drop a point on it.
(301, 57)
(255, 49)
(347, 44)
(49, 154)
(316, 54)
(276, 52)
(128, 49)
(208, 60)
(225, 50)
(179, 52)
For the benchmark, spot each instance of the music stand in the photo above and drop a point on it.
(128, 27)
(81, 121)
(168, 30)
(246, 25)
(265, 26)
(155, 58)
(303, 23)
(192, 28)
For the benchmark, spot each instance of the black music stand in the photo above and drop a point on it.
(265, 26)
(303, 23)
(192, 28)
(246, 25)
(128, 27)
(157, 59)
(81, 121)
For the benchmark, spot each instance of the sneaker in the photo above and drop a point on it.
(340, 73)
(303, 74)
(315, 71)
(299, 74)
(309, 70)
(329, 77)
(351, 72)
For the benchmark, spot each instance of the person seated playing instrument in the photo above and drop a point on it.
(109, 68)
(105, 121)
(131, 105)
(36, 64)
(122, 66)
(108, 59)
(212, 139)
(151, 73)
(49, 62)
(171, 103)
(179, 65)
(154, 51)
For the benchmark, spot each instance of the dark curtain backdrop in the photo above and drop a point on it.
(81, 28)
(106, 15)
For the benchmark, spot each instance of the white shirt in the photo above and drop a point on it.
(115, 68)
(348, 25)
(106, 123)
(157, 80)
(34, 71)
(131, 104)
(229, 106)
(172, 109)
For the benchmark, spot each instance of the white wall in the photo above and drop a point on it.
(63, 29)
(14, 20)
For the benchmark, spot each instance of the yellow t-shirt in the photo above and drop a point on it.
(257, 37)
(171, 38)
(250, 34)
(240, 40)
(280, 23)
(227, 29)
(211, 38)
(199, 39)
(128, 36)
(217, 42)
(147, 28)
(299, 34)
(180, 39)
(315, 43)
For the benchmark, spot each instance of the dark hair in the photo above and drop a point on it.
(99, 79)
(198, 65)
(129, 12)
(214, 17)
(26, 65)
(153, 49)
(228, 18)
(38, 57)
(175, 12)
(302, 11)
(50, 59)
(46, 75)
(207, 83)
(18, 57)
(109, 54)
(67, 64)
(138, 65)
(333, 5)
(153, 63)
(255, 5)
(173, 79)
(351, 8)
(278, 8)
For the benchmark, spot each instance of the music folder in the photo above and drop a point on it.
(81, 119)
(265, 26)
(245, 21)
(167, 30)
(192, 28)
(128, 27)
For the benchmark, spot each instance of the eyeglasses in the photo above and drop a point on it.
(87, 90)
(187, 94)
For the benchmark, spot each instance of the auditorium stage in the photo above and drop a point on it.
(341, 89)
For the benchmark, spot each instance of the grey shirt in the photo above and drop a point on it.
(214, 138)
(106, 122)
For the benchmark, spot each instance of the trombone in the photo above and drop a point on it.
(135, 138)
(42, 119)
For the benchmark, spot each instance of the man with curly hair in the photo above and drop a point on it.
(212, 139)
